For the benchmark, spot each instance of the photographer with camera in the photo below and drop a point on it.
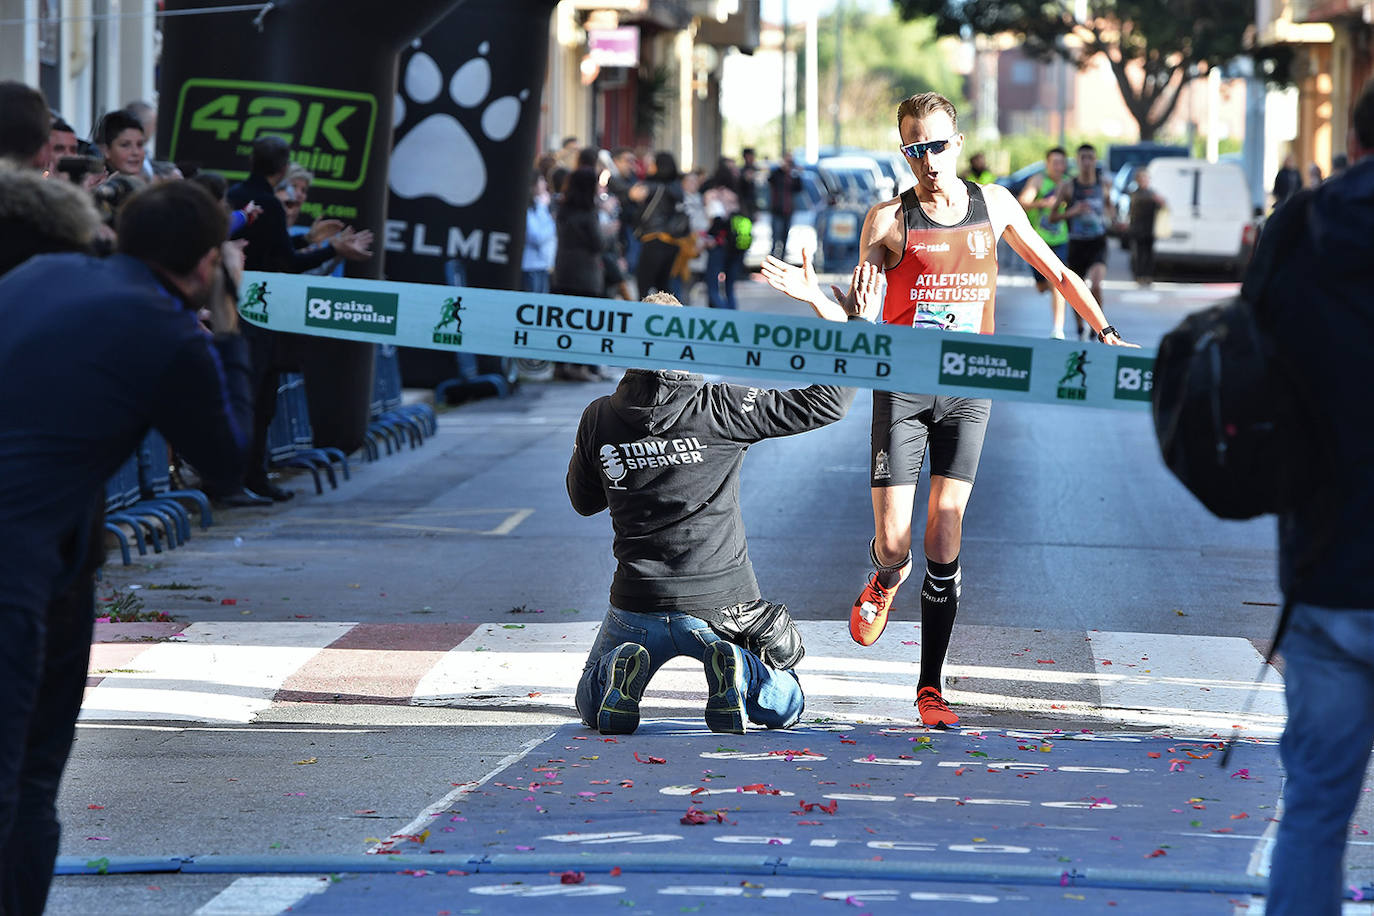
(95, 352)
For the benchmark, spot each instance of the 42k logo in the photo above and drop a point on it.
(329, 130)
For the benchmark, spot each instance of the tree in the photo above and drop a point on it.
(1155, 47)
(884, 59)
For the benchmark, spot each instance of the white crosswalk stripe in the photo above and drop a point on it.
(234, 672)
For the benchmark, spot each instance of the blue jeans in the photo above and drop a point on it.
(720, 261)
(535, 281)
(1329, 685)
(773, 698)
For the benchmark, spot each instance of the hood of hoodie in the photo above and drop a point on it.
(54, 208)
(653, 399)
(1342, 219)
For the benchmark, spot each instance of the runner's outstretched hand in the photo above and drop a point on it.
(797, 282)
(800, 283)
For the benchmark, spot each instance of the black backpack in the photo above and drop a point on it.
(1223, 404)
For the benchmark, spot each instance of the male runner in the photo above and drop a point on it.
(1084, 203)
(1040, 199)
(937, 243)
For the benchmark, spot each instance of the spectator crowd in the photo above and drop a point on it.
(624, 223)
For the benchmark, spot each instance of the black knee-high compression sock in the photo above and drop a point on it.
(939, 603)
(888, 575)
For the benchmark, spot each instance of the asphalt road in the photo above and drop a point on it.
(1074, 526)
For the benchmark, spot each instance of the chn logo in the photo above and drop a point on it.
(255, 297)
(449, 317)
(438, 157)
(1073, 386)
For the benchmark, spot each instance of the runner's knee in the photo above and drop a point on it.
(892, 544)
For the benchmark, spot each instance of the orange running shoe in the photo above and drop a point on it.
(935, 711)
(868, 617)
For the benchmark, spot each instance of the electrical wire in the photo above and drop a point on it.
(160, 14)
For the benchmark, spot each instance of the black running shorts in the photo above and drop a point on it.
(903, 424)
(1084, 253)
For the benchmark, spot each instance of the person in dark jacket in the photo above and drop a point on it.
(662, 220)
(579, 262)
(1318, 307)
(578, 270)
(784, 187)
(1287, 180)
(1146, 203)
(95, 351)
(663, 454)
(271, 248)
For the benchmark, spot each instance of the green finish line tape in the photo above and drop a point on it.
(789, 349)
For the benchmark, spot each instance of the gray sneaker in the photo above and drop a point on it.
(629, 675)
(725, 688)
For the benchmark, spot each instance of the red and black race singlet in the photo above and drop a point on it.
(947, 277)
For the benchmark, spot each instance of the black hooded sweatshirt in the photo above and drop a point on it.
(663, 453)
(1319, 303)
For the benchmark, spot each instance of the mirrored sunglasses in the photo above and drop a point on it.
(917, 150)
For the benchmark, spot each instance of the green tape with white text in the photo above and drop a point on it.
(788, 350)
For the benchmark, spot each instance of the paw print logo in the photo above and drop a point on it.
(438, 157)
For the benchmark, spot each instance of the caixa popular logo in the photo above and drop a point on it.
(975, 365)
(351, 310)
(1135, 378)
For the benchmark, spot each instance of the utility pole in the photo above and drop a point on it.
(783, 149)
(813, 95)
(839, 70)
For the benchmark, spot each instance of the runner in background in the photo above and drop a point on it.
(937, 243)
(978, 171)
(1084, 199)
(1040, 200)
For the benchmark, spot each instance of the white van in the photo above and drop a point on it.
(1209, 219)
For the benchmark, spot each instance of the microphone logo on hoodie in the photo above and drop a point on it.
(613, 467)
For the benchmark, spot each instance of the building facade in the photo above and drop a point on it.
(1332, 43)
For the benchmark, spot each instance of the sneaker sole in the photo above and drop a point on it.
(619, 712)
(725, 686)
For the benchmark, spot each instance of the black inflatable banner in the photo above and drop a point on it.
(322, 75)
(466, 125)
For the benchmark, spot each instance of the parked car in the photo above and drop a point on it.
(1120, 155)
(895, 167)
(1209, 216)
(1017, 179)
(858, 179)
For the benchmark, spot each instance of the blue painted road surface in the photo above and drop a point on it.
(677, 819)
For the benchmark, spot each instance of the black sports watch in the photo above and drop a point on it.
(1102, 334)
